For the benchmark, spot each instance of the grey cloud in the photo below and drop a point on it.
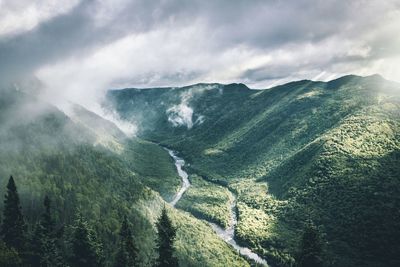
(73, 34)
(261, 26)
(21, 54)
(266, 73)
(178, 76)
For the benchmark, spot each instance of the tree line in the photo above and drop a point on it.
(46, 245)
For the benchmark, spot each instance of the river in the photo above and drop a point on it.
(227, 234)
(179, 163)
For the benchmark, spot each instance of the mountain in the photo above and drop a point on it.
(325, 151)
(87, 166)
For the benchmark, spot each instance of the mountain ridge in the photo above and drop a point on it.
(294, 142)
(49, 154)
(344, 77)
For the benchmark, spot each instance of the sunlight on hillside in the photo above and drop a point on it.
(364, 136)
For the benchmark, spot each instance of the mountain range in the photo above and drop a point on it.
(327, 152)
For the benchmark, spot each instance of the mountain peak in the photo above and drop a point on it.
(236, 86)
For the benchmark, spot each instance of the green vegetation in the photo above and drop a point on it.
(166, 235)
(253, 220)
(8, 256)
(258, 226)
(127, 252)
(13, 228)
(85, 247)
(93, 186)
(311, 248)
(207, 201)
(199, 246)
(153, 166)
(209, 250)
(325, 152)
(328, 152)
(45, 247)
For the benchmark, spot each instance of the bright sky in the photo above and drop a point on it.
(79, 49)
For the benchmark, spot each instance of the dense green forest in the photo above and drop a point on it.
(326, 152)
(72, 245)
(312, 168)
(94, 179)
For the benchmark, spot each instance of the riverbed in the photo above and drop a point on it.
(227, 234)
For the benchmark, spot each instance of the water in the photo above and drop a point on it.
(228, 236)
(225, 234)
(179, 163)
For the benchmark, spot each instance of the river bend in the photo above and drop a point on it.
(227, 234)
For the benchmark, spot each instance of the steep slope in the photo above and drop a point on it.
(106, 132)
(50, 154)
(325, 151)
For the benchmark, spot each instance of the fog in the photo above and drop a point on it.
(182, 114)
(77, 50)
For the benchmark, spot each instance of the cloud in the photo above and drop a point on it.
(23, 53)
(182, 114)
(81, 49)
(24, 15)
(87, 26)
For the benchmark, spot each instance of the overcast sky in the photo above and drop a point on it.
(79, 49)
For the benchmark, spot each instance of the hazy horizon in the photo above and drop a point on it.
(80, 49)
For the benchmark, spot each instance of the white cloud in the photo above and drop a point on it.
(23, 15)
(172, 43)
(182, 114)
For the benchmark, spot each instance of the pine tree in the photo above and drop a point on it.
(86, 251)
(13, 228)
(166, 236)
(44, 242)
(127, 254)
(47, 220)
(311, 247)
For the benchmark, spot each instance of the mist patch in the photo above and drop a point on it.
(182, 114)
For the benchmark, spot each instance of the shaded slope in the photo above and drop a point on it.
(50, 154)
(326, 151)
(256, 128)
(348, 181)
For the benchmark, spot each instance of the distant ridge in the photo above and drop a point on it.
(326, 151)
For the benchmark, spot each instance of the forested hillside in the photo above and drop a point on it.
(94, 177)
(302, 161)
(328, 152)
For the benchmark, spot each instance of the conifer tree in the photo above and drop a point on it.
(86, 251)
(47, 220)
(311, 247)
(127, 254)
(44, 241)
(166, 236)
(13, 228)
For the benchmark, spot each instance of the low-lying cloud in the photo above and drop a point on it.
(182, 114)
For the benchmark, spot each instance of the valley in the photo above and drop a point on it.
(228, 234)
(50, 154)
(297, 152)
(172, 133)
(245, 170)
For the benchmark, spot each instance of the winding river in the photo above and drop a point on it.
(227, 234)
(179, 163)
